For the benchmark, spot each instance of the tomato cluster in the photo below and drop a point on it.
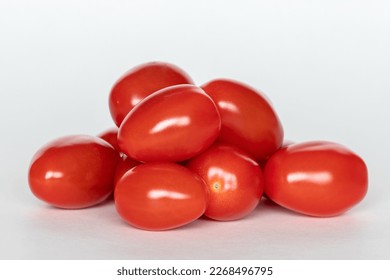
(182, 151)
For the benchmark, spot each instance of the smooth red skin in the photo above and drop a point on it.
(234, 179)
(248, 119)
(262, 163)
(141, 81)
(73, 172)
(160, 196)
(317, 178)
(111, 136)
(173, 124)
(124, 165)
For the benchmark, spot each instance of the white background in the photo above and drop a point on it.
(324, 64)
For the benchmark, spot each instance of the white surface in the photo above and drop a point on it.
(324, 64)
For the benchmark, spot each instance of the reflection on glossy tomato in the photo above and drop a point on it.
(160, 196)
(316, 178)
(111, 136)
(248, 119)
(124, 165)
(234, 179)
(140, 82)
(173, 124)
(73, 171)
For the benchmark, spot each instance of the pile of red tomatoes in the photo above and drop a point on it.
(182, 151)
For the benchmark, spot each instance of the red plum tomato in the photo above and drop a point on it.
(141, 81)
(73, 171)
(248, 119)
(160, 196)
(235, 181)
(173, 124)
(316, 178)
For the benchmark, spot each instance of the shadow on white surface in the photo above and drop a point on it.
(270, 232)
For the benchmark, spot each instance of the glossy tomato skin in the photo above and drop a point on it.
(235, 181)
(141, 81)
(160, 196)
(173, 124)
(111, 136)
(248, 119)
(73, 171)
(316, 178)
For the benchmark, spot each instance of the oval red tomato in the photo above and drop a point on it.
(235, 181)
(141, 81)
(73, 171)
(173, 124)
(248, 119)
(316, 178)
(160, 196)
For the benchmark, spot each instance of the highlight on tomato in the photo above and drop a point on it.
(316, 178)
(173, 124)
(248, 119)
(141, 81)
(75, 171)
(160, 196)
(235, 181)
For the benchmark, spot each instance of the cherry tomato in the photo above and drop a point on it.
(234, 179)
(160, 196)
(248, 119)
(124, 165)
(173, 124)
(140, 82)
(110, 135)
(73, 171)
(316, 178)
